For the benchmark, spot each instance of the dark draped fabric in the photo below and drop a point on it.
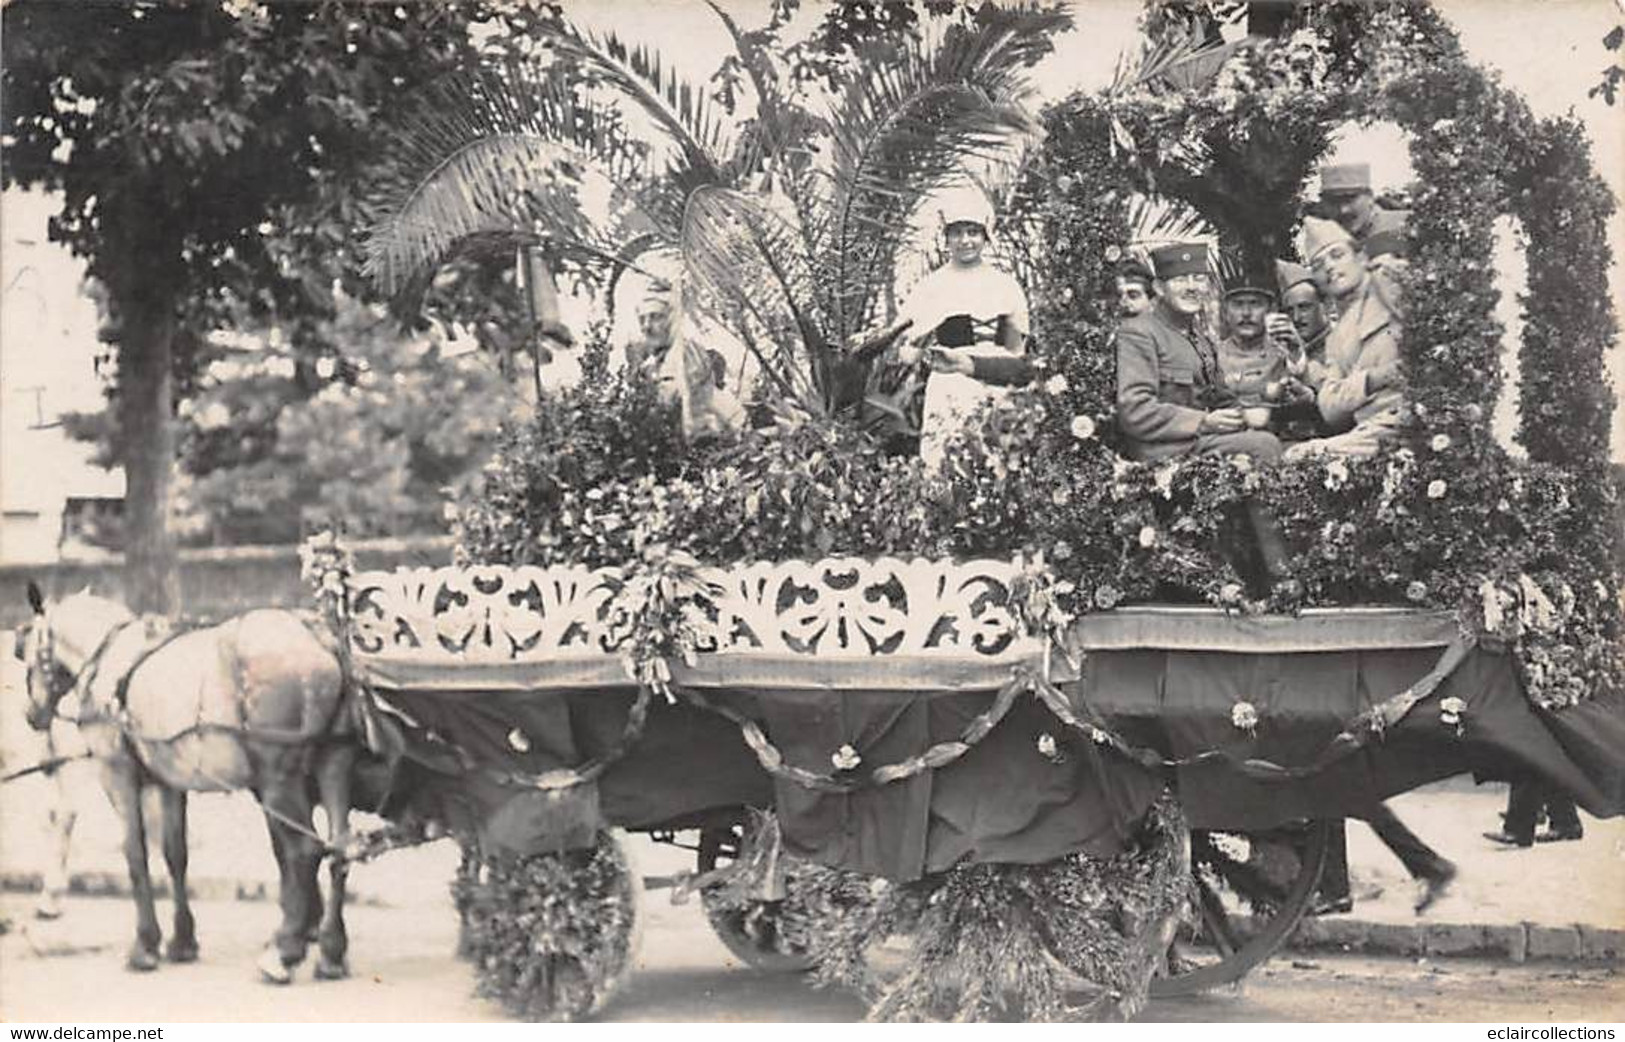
(1008, 800)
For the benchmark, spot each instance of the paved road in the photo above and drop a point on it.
(404, 972)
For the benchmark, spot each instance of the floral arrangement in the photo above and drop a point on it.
(603, 475)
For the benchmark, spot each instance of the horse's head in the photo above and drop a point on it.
(47, 678)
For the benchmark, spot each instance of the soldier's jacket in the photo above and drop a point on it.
(1365, 336)
(1167, 379)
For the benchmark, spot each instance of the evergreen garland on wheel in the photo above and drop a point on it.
(551, 935)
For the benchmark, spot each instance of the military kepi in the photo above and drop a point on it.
(1184, 259)
(1252, 280)
(1345, 179)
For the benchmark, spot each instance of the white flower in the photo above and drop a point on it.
(1451, 710)
(1046, 746)
(1148, 536)
(1230, 593)
(845, 758)
(1437, 488)
(1440, 442)
(1244, 716)
(1417, 591)
(1165, 479)
(518, 741)
(1062, 550)
(1056, 384)
(1337, 474)
(1099, 737)
(1083, 427)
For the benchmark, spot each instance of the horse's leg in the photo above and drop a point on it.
(122, 779)
(287, 808)
(333, 781)
(183, 942)
(60, 816)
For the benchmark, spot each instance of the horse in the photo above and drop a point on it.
(256, 702)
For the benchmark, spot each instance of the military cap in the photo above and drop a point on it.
(1181, 259)
(1134, 270)
(1319, 233)
(1289, 274)
(1345, 179)
(1252, 280)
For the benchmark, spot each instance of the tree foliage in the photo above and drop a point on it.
(205, 155)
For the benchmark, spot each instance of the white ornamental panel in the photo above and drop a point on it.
(834, 608)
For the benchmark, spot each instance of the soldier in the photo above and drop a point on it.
(1358, 388)
(1171, 400)
(1300, 299)
(1345, 192)
(1133, 289)
(1253, 364)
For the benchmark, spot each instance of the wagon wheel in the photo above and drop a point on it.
(1271, 874)
(751, 930)
(551, 936)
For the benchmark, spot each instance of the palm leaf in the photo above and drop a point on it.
(905, 128)
(504, 155)
(747, 263)
(683, 112)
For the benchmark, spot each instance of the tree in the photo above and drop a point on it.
(207, 155)
(787, 237)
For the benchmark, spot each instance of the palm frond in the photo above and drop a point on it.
(905, 128)
(747, 263)
(508, 154)
(1156, 220)
(683, 112)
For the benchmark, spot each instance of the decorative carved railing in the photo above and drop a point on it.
(470, 627)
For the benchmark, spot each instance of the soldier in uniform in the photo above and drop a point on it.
(1345, 193)
(1133, 289)
(1171, 398)
(1358, 387)
(1252, 361)
(1301, 300)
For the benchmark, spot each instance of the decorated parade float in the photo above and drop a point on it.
(1023, 736)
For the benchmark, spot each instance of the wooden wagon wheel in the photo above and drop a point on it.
(752, 932)
(1273, 874)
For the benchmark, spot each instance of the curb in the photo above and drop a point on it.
(207, 888)
(1515, 942)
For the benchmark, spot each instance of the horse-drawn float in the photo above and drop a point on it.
(895, 724)
(1021, 732)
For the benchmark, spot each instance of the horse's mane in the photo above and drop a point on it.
(80, 621)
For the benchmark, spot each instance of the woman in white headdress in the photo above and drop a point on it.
(969, 319)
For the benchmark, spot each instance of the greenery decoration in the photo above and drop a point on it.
(549, 935)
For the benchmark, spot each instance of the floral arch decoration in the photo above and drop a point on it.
(1528, 551)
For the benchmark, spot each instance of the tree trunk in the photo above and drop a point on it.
(146, 391)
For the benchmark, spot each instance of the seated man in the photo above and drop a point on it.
(1170, 397)
(1133, 289)
(1358, 387)
(1300, 299)
(1253, 358)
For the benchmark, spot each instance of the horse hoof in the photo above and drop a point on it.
(178, 952)
(326, 970)
(141, 960)
(272, 970)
